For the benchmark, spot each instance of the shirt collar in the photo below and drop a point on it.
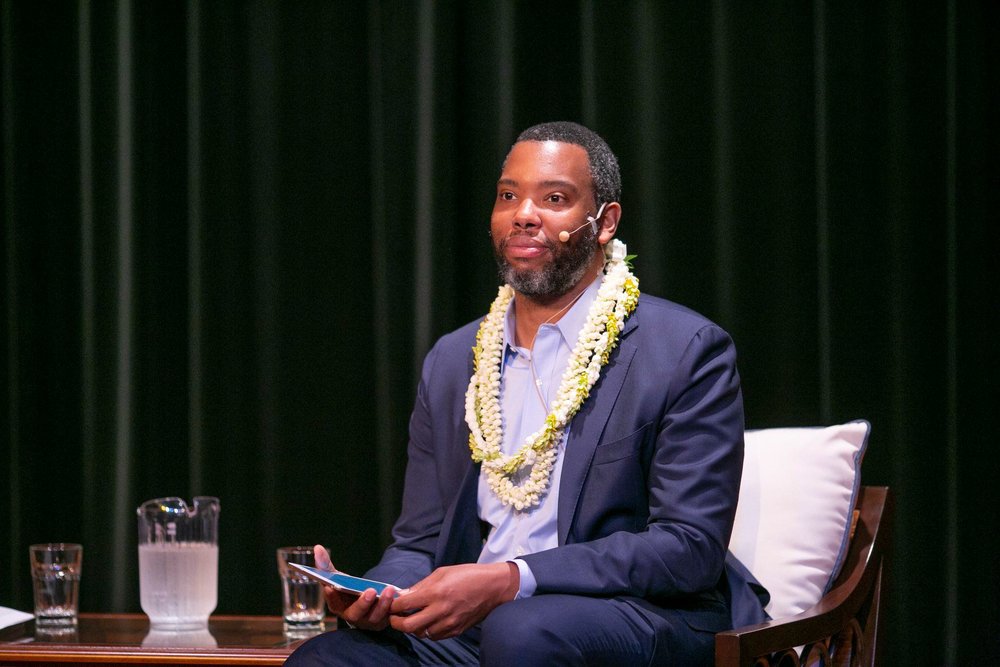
(569, 325)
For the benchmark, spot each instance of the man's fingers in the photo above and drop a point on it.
(408, 602)
(336, 601)
(380, 609)
(414, 624)
(322, 557)
(359, 611)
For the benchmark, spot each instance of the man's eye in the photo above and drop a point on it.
(556, 199)
(507, 196)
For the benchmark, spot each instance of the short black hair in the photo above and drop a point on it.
(604, 170)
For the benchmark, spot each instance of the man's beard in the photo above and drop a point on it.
(568, 266)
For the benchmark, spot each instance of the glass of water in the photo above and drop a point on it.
(303, 606)
(55, 574)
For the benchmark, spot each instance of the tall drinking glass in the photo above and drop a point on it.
(302, 604)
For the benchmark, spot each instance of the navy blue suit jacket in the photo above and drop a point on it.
(650, 476)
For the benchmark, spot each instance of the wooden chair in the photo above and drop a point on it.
(843, 627)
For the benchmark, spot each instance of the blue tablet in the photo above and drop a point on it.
(342, 582)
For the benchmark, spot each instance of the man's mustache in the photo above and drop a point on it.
(544, 240)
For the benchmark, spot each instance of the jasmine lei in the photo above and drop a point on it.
(532, 463)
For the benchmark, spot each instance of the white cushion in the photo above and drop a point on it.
(794, 515)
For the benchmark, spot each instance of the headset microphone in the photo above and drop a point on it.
(591, 220)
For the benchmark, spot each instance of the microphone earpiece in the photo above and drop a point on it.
(591, 220)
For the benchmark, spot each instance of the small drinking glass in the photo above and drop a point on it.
(55, 574)
(303, 606)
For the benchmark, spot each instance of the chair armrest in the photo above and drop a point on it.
(844, 622)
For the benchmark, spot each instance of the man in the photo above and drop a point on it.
(574, 457)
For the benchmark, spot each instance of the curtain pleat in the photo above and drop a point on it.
(195, 257)
(124, 460)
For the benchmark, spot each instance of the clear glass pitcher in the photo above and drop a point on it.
(178, 561)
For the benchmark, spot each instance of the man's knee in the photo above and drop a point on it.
(568, 630)
(352, 647)
(518, 633)
(312, 653)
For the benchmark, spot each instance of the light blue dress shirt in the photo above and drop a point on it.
(513, 533)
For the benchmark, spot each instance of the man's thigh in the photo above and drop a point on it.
(576, 630)
(344, 648)
(543, 630)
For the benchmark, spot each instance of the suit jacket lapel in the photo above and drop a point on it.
(461, 538)
(587, 426)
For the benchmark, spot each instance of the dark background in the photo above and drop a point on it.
(232, 229)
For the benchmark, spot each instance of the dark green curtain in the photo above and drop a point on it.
(232, 229)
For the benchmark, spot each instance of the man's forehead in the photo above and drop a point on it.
(548, 160)
(551, 147)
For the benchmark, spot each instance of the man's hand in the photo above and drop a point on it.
(452, 599)
(367, 611)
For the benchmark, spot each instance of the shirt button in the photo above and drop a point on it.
(519, 551)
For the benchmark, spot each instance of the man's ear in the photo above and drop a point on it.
(608, 223)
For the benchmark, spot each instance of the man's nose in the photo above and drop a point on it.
(526, 215)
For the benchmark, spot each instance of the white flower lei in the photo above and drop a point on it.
(616, 299)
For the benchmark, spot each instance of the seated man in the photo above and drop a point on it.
(574, 457)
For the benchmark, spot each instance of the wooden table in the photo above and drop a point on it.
(125, 639)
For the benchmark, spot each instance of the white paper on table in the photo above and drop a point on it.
(9, 617)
